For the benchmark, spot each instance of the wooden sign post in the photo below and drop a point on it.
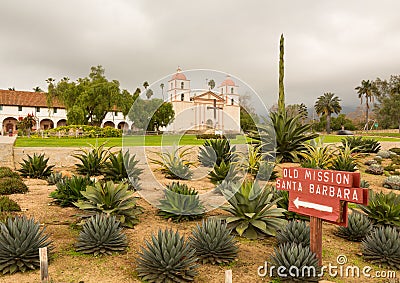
(322, 195)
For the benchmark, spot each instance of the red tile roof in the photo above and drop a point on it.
(26, 98)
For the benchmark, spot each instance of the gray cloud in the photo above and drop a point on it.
(329, 45)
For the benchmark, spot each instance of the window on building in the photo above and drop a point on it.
(37, 109)
(222, 91)
(1, 107)
(231, 89)
(182, 85)
(19, 108)
(182, 96)
(115, 113)
(172, 85)
(232, 101)
(55, 110)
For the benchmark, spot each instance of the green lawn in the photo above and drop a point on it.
(336, 138)
(127, 141)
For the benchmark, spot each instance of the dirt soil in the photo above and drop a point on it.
(66, 265)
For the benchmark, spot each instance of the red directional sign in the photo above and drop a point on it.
(322, 193)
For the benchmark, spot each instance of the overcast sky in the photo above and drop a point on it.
(330, 46)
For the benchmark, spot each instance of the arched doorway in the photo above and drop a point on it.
(9, 123)
(46, 124)
(109, 124)
(123, 126)
(61, 123)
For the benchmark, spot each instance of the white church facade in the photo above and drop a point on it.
(201, 110)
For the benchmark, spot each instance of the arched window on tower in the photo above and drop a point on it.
(232, 101)
(182, 85)
(182, 96)
(232, 90)
(222, 90)
(172, 85)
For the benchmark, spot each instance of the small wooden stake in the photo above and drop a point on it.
(316, 237)
(44, 272)
(228, 276)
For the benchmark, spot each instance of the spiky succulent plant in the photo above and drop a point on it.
(392, 182)
(382, 247)
(101, 235)
(223, 171)
(254, 212)
(213, 242)
(35, 167)
(359, 226)
(121, 166)
(294, 232)
(180, 203)
(374, 169)
(54, 178)
(20, 240)
(290, 255)
(167, 258)
(214, 151)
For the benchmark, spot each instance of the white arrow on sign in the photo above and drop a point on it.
(316, 206)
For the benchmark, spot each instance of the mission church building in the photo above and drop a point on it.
(199, 110)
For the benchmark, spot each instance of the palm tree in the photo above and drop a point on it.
(366, 89)
(37, 89)
(145, 85)
(328, 104)
(162, 90)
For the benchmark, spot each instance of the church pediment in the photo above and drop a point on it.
(209, 95)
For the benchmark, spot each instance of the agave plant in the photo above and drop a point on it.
(224, 171)
(346, 159)
(266, 171)
(382, 247)
(69, 190)
(294, 232)
(180, 203)
(359, 226)
(121, 166)
(291, 255)
(254, 212)
(54, 178)
(317, 155)
(20, 240)
(383, 209)
(287, 133)
(35, 167)
(214, 151)
(112, 200)
(250, 160)
(213, 242)
(174, 164)
(92, 160)
(101, 235)
(283, 202)
(167, 258)
(362, 145)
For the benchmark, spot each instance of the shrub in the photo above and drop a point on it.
(121, 166)
(254, 212)
(92, 161)
(213, 152)
(86, 131)
(395, 150)
(384, 154)
(370, 162)
(317, 156)
(362, 145)
(300, 256)
(101, 235)
(167, 258)
(359, 226)
(7, 172)
(111, 200)
(392, 182)
(10, 186)
(180, 203)
(374, 169)
(174, 164)
(383, 209)
(69, 190)
(294, 232)
(35, 167)
(20, 240)
(364, 184)
(345, 159)
(7, 204)
(213, 242)
(382, 247)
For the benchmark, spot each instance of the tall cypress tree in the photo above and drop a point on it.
(281, 99)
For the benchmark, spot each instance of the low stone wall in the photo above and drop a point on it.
(6, 155)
